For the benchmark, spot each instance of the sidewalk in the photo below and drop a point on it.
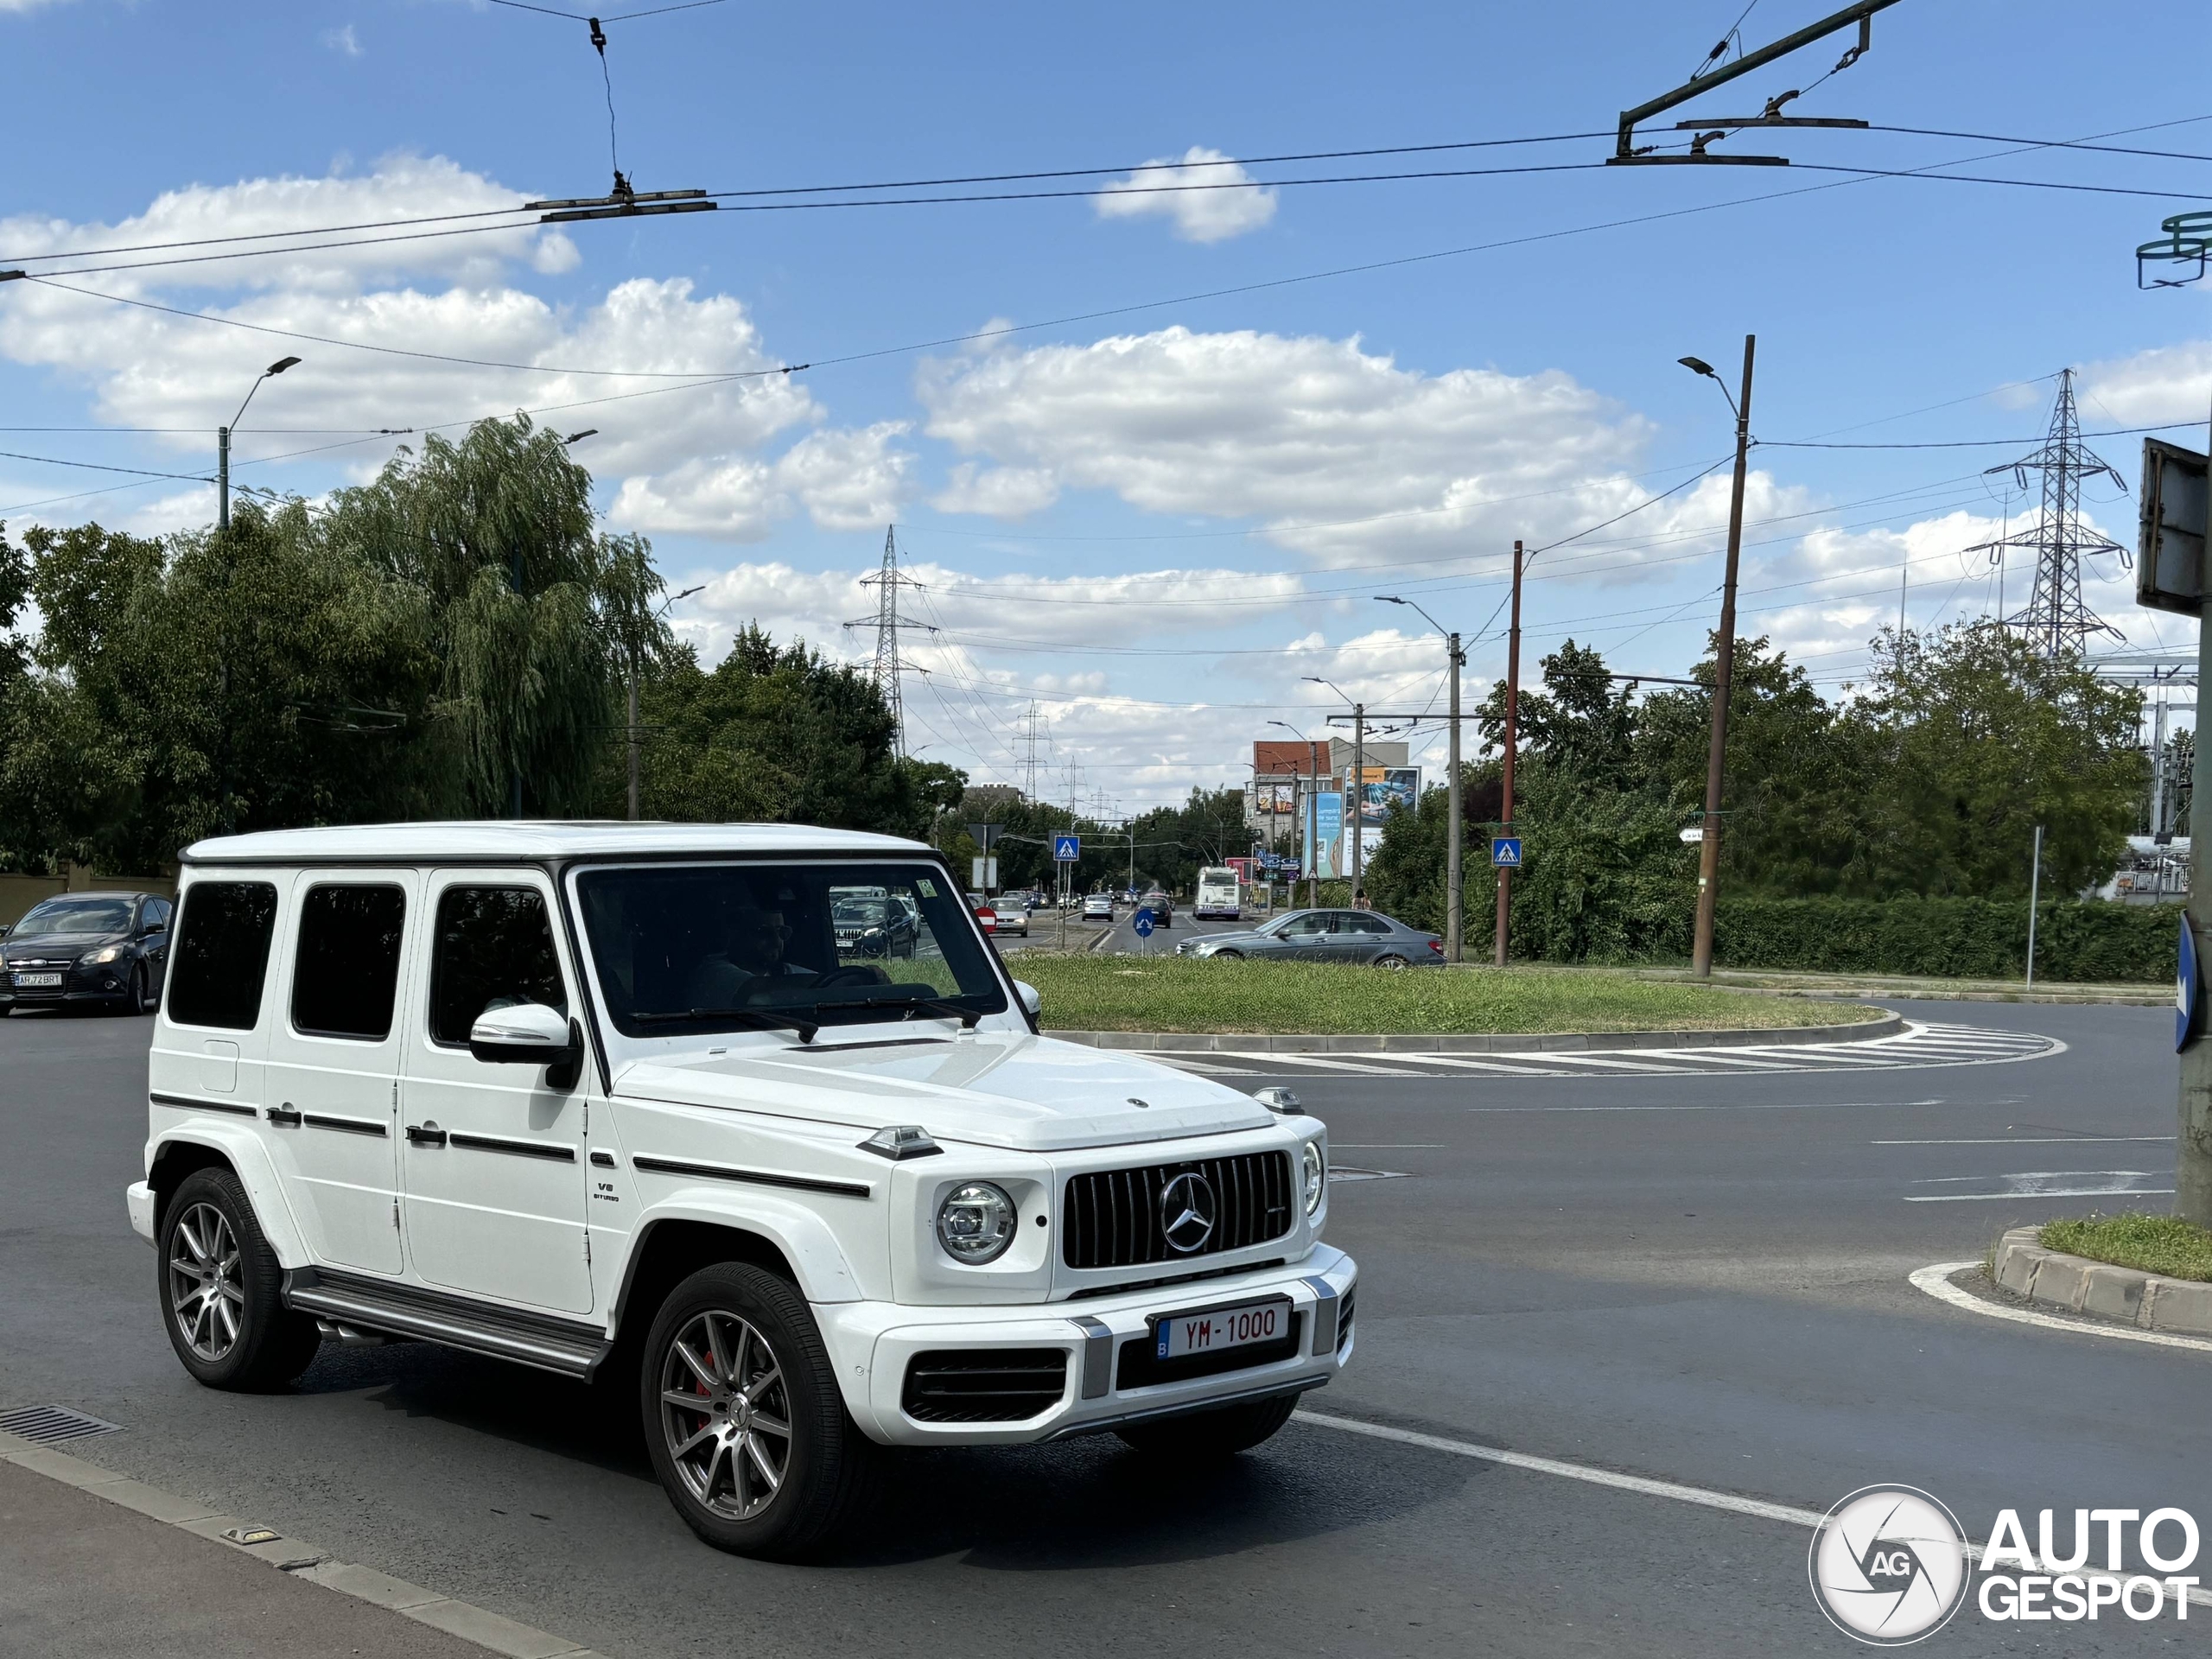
(1790, 982)
(139, 1571)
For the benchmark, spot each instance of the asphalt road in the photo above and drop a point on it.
(1696, 1278)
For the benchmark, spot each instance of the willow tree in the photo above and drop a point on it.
(534, 614)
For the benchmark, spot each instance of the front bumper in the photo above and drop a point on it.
(107, 982)
(138, 1199)
(875, 1343)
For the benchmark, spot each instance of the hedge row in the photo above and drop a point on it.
(1961, 938)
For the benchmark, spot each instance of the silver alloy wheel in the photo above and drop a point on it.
(1393, 963)
(207, 1298)
(726, 1414)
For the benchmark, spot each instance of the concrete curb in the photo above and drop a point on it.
(1203, 1042)
(2151, 1301)
(492, 1631)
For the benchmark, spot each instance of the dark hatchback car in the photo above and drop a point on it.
(75, 950)
(1366, 936)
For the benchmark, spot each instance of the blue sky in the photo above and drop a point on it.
(1156, 523)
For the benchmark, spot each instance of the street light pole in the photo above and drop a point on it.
(223, 442)
(1504, 920)
(635, 669)
(1455, 884)
(1311, 832)
(1724, 663)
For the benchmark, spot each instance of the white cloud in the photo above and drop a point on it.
(850, 479)
(343, 39)
(1300, 433)
(2169, 383)
(1209, 196)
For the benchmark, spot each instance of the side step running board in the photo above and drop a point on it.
(568, 1347)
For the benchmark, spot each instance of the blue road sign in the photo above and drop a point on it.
(2185, 987)
(1143, 924)
(1066, 849)
(1505, 852)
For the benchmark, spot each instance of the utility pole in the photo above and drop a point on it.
(1314, 823)
(223, 475)
(1724, 663)
(1455, 877)
(1512, 736)
(1357, 793)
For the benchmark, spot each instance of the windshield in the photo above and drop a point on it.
(697, 948)
(78, 916)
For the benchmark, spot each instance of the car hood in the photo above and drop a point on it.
(997, 1088)
(1248, 937)
(73, 945)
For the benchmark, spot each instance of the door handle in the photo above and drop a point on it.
(287, 1115)
(425, 1134)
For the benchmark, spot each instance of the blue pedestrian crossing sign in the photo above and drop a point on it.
(1143, 924)
(1066, 849)
(1505, 852)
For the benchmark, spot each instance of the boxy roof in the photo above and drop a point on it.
(510, 841)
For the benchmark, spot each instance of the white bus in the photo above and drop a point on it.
(1217, 895)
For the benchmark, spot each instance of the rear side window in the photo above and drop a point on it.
(494, 949)
(1354, 921)
(222, 954)
(346, 972)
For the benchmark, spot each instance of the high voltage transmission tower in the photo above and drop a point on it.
(2057, 618)
(1031, 723)
(888, 663)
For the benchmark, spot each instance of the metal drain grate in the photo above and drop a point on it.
(53, 1423)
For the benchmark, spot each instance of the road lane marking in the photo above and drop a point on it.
(1936, 1280)
(2038, 1184)
(1703, 1496)
(1727, 1106)
(2028, 1140)
(2056, 1193)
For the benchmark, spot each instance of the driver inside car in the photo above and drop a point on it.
(752, 948)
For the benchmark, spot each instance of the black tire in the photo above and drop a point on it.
(142, 1000)
(1211, 1434)
(1233, 956)
(1391, 963)
(828, 1464)
(201, 1271)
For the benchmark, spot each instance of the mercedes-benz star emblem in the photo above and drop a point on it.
(1186, 1212)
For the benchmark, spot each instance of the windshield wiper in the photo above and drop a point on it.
(943, 1008)
(757, 1019)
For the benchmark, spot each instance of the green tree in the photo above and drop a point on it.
(534, 616)
(1976, 738)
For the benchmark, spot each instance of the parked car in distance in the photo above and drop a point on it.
(867, 925)
(1098, 907)
(1364, 936)
(77, 949)
(551, 1093)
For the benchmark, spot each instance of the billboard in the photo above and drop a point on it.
(1334, 837)
(1381, 788)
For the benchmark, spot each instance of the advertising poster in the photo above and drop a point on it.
(1327, 840)
(1383, 787)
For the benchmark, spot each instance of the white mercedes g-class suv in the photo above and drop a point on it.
(610, 1100)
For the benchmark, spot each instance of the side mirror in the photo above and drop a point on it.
(529, 1033)
(1032, 1003)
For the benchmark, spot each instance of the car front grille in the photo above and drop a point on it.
(1112, 1218)
(1002, 1385)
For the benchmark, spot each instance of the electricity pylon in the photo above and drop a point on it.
(888, 663)
(2057, 618)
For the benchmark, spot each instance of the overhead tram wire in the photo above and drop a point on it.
(719, 378)
(750, 200)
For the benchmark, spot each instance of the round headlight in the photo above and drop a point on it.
(976, 1222)
(1314, 1176)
